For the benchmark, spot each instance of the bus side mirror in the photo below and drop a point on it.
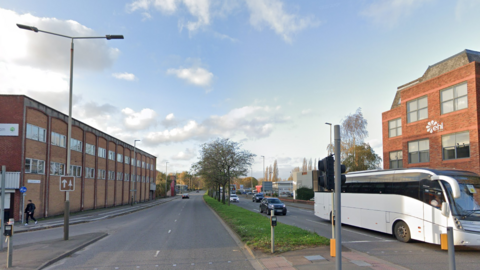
(445, 209)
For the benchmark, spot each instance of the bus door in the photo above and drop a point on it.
(434, 223)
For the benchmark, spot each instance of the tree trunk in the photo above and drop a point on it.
(223, 193)
(229, 191)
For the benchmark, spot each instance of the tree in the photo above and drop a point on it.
(222, 160)
(364, 159)
(275, 171)
(353, 131)
(310, 165)
(304, 165)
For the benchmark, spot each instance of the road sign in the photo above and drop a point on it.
(67, 183)
(23, 189)
(267, 186)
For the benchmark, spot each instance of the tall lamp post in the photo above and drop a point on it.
(333, 209)
(134, 183)
(166, 178)
(69, 136)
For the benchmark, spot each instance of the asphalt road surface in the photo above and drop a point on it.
(181, 234)
(416, 255)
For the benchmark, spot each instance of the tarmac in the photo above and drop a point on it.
(45, 253)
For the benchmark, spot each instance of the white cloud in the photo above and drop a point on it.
(125, 76)
(187, 155)
(199, 9)
(389, 12)
(194, 75)
(169, 121)
(272, 14)
(139, 120)
(249, 121)
(306, 112)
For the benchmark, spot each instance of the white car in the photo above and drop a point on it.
(234, 198)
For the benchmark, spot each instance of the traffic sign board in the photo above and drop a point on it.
(23, 189)
(67, 183)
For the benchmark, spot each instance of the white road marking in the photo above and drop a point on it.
(156, 254)
(317, 222)
(169, 231)
(367, 241)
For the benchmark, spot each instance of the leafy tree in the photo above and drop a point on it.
(364, 159)
(353, 131)
(248, 181)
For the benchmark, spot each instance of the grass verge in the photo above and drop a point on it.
(254, 229)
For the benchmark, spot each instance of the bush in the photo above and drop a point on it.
(305, 193)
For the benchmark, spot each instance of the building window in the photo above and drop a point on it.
(126, 177)
(396, 160)
(456, 145)
(111, 175)
(57, 168)
(90, 149)
(75, 171)
(143, 164)
(119, 176)
(89, 172)
(395, 128)
(417, 109)
(127, 160)
(418, 151)
(133, 177)
(138, 163)
(76, 145)
(34, 166)
(454, 98)
(102, 152)
(58, 139)
(36, 133)
(133, 161)
(119, 157)
(101, 174)
(111, 155)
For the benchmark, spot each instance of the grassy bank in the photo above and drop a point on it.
(254, 229)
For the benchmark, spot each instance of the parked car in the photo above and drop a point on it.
(250, 193)
(273, 204)
(257, 197)
(234, 198)
(185, 196)
(197, 191)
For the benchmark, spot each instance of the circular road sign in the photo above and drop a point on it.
(23, 189)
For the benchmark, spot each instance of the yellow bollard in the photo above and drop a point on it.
(332, 247)
(444, 241)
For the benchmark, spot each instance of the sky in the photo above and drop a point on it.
(265, 73)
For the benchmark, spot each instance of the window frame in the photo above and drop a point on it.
(455, 146)
(60, 166)
(419, 151)
(119, 157)
(40, 169)
(111, 155)
(397, 161)
(454, 99)
(40, 134)
(417, 110)
(396, 128)
(102, 152)
(90, 149)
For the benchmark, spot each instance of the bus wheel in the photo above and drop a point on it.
(402, 232)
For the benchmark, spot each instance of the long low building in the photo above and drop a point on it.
(33, 147)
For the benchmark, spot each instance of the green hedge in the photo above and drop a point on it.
(305, 193)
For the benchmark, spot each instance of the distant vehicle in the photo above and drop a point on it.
(185, 196)
(273, 204)
(257, 197)
(234, 198)
(250, 193)
(197, 191)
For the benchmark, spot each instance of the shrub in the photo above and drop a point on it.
(304, 193)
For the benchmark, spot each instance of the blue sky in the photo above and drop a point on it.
(267, 73)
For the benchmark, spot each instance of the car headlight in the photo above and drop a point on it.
(284, 206)
(270, 206)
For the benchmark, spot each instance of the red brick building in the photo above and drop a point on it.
(33, 146)
(434, 120)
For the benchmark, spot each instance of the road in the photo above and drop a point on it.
(416, 255)
(181, 234)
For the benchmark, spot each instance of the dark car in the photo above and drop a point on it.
(257, 197)
(269, 204)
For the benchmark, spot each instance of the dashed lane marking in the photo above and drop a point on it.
(156, 254)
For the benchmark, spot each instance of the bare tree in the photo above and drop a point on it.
(354, 130)
(304, 165)
(275, 171)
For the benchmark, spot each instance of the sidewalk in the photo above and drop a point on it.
(89, 215)
(42, 254)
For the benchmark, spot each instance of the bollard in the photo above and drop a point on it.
(273, 229)
(451, 249)
(9, 234)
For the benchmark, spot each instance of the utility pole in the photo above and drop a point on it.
(338, 208)
(333, 195)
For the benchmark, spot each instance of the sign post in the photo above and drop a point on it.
(23, 190)
(67, 184)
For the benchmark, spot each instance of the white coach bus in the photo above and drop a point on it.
(411, 204)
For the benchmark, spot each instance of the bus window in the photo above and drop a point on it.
(432, 193)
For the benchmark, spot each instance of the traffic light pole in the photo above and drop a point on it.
(338, 213)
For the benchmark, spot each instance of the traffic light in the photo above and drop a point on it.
(343, 169)
(327, 173)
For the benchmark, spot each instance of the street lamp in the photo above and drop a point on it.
(69, 136)
(134, 184)
(166, 178)
(329, 148)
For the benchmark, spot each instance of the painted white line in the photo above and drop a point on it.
(318, 222)
(169, 231)
(366, 241)
(156, 254)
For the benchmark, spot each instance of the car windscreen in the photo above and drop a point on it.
(274, 201)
